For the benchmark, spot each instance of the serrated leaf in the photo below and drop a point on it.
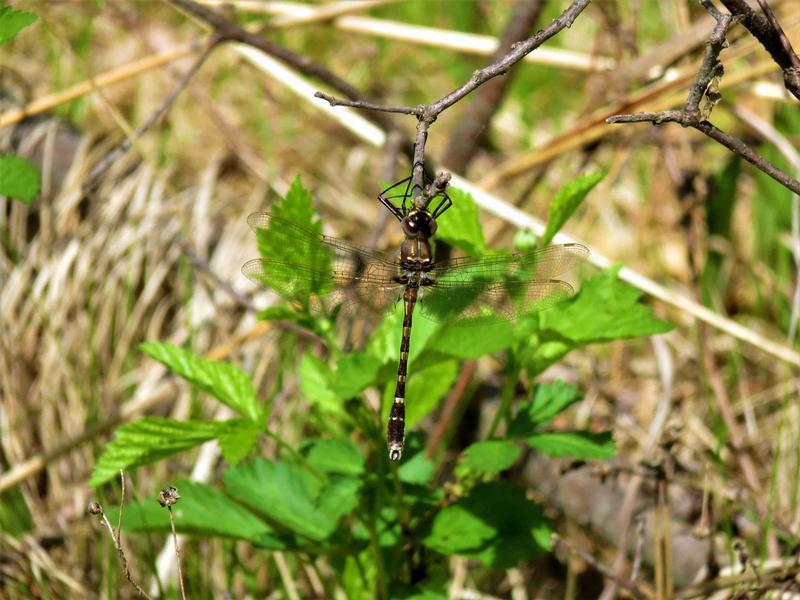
(19, 178)
(335, 456)
(460, 226)
(316, 383)
(566, 202)
(604, 309)
(416, 470)
(149, 440)
(202, 510)
(278, 244)
(574, 444)
(224, 381)
(426, 388)
(474, 341)
(237, 437)
(293, 496)
(495, 524)
(549, 399)
(384, 342)
(490, 456)
(284, 312)
(355, 372)
(11, 23)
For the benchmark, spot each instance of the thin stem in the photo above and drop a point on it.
(107, 161)
(96, 509)
(177, 552)
(121, 504)
(366, 105)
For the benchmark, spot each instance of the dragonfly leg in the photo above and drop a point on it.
(398, 213)
(442, 206)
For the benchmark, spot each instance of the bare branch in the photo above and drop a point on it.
(469, 133)
(111, 157)
(766, 30)
(695, 115)
(229, 31)
(363, 104)
(427, 113)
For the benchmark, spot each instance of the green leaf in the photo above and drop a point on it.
(604, 309)
(316, 383)
(293, 496)
(15, 518)
(335, 456)
(524, 240)
(566, 202)
(355, 372)
(491, 456)
(222, 380)
(148, 440)
(476, 340)
(237, 437)
(284, 246)
(550, 399)
(496, 524)
(11, 23)
(461, 226)
(426, 388)
(284, 312)
(575, 444)
(202, 510)
(384, 342)
(18, 177)
(417, 470)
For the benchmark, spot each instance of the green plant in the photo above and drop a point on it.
(337, 495)
(18, 177)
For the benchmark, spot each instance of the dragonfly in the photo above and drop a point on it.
(332, 274)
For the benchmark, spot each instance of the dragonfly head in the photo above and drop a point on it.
(419, 223)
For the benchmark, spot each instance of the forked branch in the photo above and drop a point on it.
(427, 113)
(702, 97)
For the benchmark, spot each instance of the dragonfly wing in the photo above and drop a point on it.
(321, 269)
(288, 234)
(481, 303)
(544, 263)
(364, 292)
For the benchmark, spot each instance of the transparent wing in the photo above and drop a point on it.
(326, 271)
(479, 303)
(544, 263)
(285, 231)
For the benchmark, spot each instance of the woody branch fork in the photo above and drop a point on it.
(426, 114)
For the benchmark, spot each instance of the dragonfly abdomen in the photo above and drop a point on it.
(395, 430)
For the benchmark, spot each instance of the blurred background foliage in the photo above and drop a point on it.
(153, 254)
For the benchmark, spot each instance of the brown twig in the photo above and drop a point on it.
(96, 509)
(471, 129)
(694, 114)
(765, 29)
(637, 590)
(450, 406)
(167, 498)
(229, 31)
(111, 157)
(427, 113)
